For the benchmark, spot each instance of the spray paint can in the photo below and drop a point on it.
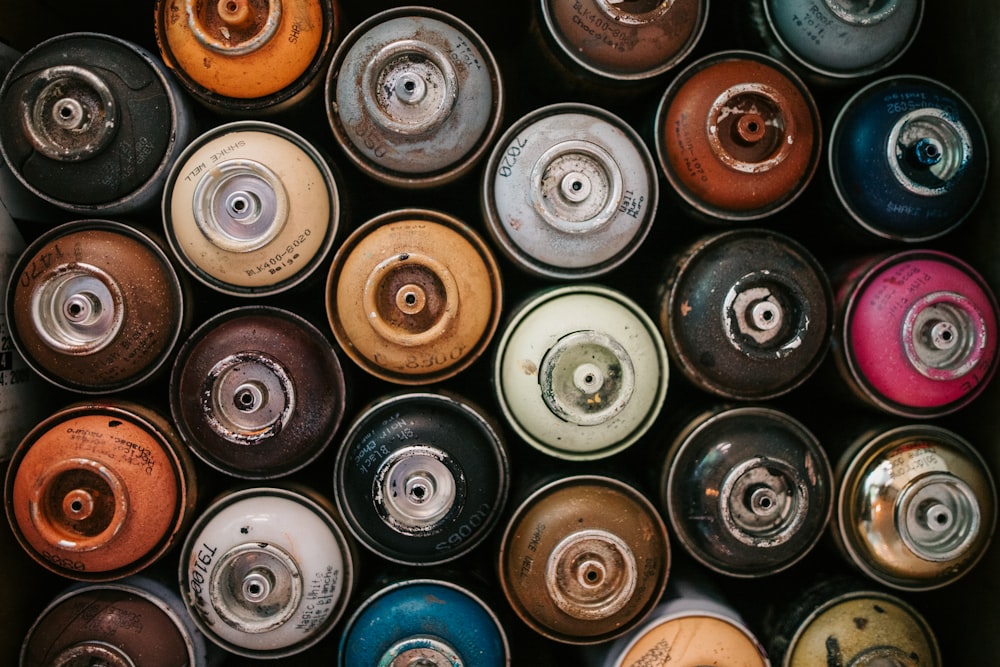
(414, 296)
(425, 622)
(841, 621)
(134, 621)
(915, 333)
(251, 209)
(241, 57)
(580, 372)
(622, 41)
(692, 625)
(908, 159)
(95, 306)
(267, 572)
(98, 491)
(257, 392)
(421, 478)
(746, 314)
(576, 573)
(414, 97)
(748, 491)
(570, 191)
(92, 123)
(915, 506)
(837, 41)
(737, 135)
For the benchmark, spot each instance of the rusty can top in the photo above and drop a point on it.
(97, 491)
(414, 296)
(92, 123)
(414, 97)
(638, 39)
(573, 570)
(247, 56)
(137, 620)
(257, 392)
(95, 306)
(570, 191)
(737, 134)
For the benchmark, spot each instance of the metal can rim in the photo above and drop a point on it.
(300, 142)
(445, 398)
(488, 200)
(179, 135)
(442, 176)
(153, 244)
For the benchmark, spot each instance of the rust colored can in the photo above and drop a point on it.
(251, 209)
(414, 97)
(841, 621)
(248, 57)
(98, 491)
(414, 296)
(92, 123)
(95, 306)
(573, 570)
(257, 392)
(915, 506)
(746, 314)
(624, 41)
(135, 621)
(738, 136)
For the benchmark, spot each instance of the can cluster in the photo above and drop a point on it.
(581, 329)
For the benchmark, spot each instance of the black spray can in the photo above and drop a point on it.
(421, 478)
(746, 314)
(92, 123)
(748, 490)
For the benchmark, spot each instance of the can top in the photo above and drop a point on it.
(845, 40)
(870, 628)
(103, 486)
(580, 371)
(414, 296)
(414, 97)
(242, 52)
(87, 120)
(574, 571)
(570, 191)
(640, 39)
(916, 506)
(920, 329)
(750, 126)
(407, 618)
(925, 156)
(251, 208)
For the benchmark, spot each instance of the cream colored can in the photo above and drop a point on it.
(580, 372)
(251, 209)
